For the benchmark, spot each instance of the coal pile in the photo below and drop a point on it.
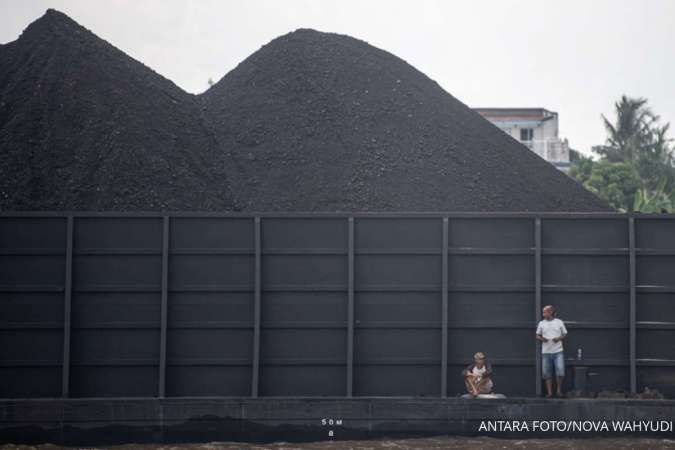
(310, 122)
(320, 121)
(85, 127)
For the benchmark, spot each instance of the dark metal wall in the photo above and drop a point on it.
(112, 305)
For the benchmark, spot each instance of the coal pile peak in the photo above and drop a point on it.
(322, 121)
(85, 127)
(312, 121)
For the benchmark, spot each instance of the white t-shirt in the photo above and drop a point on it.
(550, 329)
(478, 372)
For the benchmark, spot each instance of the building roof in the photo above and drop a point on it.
(513, 114)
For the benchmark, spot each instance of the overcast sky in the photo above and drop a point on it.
(573, 57)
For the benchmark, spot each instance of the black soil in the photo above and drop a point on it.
(310, 122)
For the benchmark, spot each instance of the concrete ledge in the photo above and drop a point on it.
(97, 421)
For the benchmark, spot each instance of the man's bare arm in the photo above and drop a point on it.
(558, 339)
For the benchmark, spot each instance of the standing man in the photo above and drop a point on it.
(551, 331)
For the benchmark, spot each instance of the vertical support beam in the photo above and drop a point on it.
(161, 388)
(350, 307)
(633, 307)
(444, 309)
(537, 300)
(67, 306)
(257, 294)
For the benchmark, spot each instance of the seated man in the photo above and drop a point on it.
(478, 376)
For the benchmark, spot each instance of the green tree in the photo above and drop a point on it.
(630, 130)
(653, 202)
(654, 161)
(636, 136)
(636, 169)
(615, 182)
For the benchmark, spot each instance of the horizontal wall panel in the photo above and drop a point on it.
(117, 271)
(280, 308)
(209, 345)
(599, 307)
(280, 345)
(114, 346)
(399, 233)
(397, 380)
(303, 234)
(304, 270)
(373, 271)
(315, 381)
(101, 309)
(491, 233)
(208, 380)
(19, 271)
(656, 344)
(31, 308)
(397, 307)
(214, 271)
(607, 344)
(496, 344)
(655, 234)
(656, 271)
(373, 345)
(490, 308)
(33, 233)
(31, 346)
(656, 307)
(491, 270)
(586, 270)
(587, 233)
(204, 309)
(101, 381)
(117, 233)
(30, 382)
(210, 234)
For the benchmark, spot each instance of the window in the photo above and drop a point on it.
(526, 134)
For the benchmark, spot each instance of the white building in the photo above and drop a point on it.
(537, 128)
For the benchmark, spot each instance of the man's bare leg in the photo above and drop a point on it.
(471, 386)
(483, 386)
(549, 387)
(559, 386)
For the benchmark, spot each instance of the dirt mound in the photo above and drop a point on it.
(85, 127)
(310, 122)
